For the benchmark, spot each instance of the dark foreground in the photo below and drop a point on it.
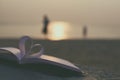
(99, 58)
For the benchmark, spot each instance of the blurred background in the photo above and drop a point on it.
(25, 17)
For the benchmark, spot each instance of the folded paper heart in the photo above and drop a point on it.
(29, 53)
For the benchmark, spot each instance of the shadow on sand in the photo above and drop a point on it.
(46, 69)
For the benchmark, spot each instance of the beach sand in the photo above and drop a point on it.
(99, 58)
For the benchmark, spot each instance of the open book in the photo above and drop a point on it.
(29, 53)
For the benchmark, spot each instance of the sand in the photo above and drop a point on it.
(99, 58)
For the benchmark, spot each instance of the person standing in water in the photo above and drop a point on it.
(45, 24)
(85, 31)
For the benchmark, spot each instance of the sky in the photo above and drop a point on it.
(93, 12)
(101, 16)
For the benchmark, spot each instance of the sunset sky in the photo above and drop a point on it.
(96, 12)
(102, 16)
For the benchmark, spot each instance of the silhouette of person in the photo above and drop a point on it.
(45, 24)
(84, 31)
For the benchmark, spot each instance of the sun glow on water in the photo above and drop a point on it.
(58, 30)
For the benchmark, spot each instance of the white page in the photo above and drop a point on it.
(14, 51)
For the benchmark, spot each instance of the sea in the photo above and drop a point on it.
(60, 30)
(97, 53)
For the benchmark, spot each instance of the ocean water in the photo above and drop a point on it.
(61, 30)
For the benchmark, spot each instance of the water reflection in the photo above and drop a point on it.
(58, 30)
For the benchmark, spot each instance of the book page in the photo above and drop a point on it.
(36, 51)
(25, 45)
(13, 50)
(58, 60)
